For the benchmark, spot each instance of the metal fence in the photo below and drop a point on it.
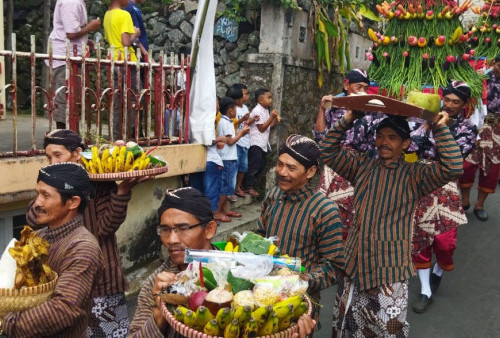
(152, 110)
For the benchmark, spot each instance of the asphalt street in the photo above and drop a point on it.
(467, 303)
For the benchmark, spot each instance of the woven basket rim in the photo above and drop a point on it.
(128, 174)
(190, 332)
(30, 290)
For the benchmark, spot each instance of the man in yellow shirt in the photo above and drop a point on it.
(120, 33)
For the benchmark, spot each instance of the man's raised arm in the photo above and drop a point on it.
(341, 160)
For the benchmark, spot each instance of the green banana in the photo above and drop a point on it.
(243, 314)
(300, 310)
(261, 314)
(224, 317)
(283, 311)
(251, 328)
(232, 330)
(267, 328)
(211, 328)
(203, 316)
(209, 279)
(190, 319)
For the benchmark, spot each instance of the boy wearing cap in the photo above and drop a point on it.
(486, 156)
(374, 294)
(63, 192)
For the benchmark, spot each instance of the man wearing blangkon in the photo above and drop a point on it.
(374, 297)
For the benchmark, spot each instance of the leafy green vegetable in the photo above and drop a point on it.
(255, 244)
(239, 284)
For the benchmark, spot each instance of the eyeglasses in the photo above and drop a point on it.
(166, 231)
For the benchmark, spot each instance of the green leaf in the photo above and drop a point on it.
(255, 244)
(238, 284)
(367, 13)
(331, 29)
(320, 47)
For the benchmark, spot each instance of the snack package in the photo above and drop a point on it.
(270, 288)
(186, 281)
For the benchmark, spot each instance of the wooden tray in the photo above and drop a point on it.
(128, 174)
(382, 104)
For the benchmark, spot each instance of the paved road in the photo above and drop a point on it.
(467, 303)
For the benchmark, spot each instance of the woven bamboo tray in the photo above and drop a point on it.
(13, 300)
(192, 333)
(128, 174)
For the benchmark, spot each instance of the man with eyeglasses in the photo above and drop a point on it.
(186, 221)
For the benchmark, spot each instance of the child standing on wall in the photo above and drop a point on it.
(259, 137)
(229, 153)
(239, 93)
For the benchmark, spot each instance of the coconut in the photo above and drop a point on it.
(217, 299)
(428, 101)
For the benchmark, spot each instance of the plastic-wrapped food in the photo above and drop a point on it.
(186, 282)
(243, 298)
(265, 295)
(283, 286)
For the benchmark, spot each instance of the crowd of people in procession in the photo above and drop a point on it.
(392, 192)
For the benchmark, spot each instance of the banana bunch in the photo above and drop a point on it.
(119, 160)
(242, 322)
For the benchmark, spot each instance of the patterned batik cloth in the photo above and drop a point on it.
(109, 317)
(377, 312)
(487, 151)
(439, 212)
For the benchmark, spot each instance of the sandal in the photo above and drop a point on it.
(234, 214)
(239, 192)
(223, 219)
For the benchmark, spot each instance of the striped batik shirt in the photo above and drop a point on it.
(143, 325)
(103, 216)
(75, 255)
(308, 226)
(378, 244)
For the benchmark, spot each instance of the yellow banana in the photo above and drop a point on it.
(300, 310)
(224, 317)
(203, 316)
(129, 161)
(110, 165)
(92, 167)
(136, 166)
(285, 322)
(276, 322)
(236, 248)
(118, 164)
(99, 166)
(272, 249)
(105, 155)
(280, 307)
(211, 328)
(251, 328)
(232, 330)
(95, 152)
(372, 35)
(267, 328)
(261, 314)
(145, 163)
(284, 310)
(242, 314)
(456, 34)
(179, 315)
(229, 246)
(190, 319)
(85, 163)
(116, 151)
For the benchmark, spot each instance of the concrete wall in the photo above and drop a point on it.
(358, 47)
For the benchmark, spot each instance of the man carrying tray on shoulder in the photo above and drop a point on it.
(374, 297)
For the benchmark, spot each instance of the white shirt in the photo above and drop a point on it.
(256, 137)
(245, 140)
(226, 127)
(213, 155)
